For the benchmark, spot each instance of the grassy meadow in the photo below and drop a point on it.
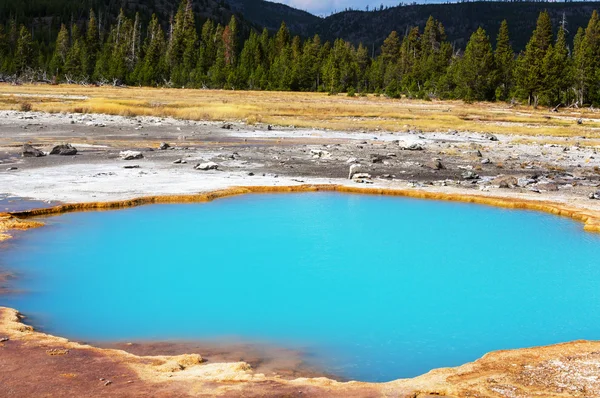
(316, 110)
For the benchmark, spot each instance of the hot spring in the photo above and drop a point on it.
(372, 288)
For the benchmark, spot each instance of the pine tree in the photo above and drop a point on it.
(556, 70)
(477, 72)
(504, 57)
(24, 54)
(92, 42)
(530, 77)
(59, 58)
(583, 67)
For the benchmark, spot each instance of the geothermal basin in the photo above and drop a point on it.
(370, 288)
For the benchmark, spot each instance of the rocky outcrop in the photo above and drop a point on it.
(131, 155)
(505, 181)
(64, 150)
(207, 166)
(30, 152)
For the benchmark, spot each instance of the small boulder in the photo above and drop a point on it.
(207, 166)
(491, 137)
(436, 164)
(64, 150)
(486, 161)
(354, 169)
(413, 147)
(131, 155)
(595, 195)
(505, 181)
(164, 146)
(470, 175)
(31, 152)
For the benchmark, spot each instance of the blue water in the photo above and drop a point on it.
(368, 287)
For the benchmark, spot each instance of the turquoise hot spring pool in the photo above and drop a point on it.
(372, 288)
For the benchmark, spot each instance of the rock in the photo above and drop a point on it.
(579, 121)
(378, 158)
(12, 168)
(354, 169)
(133, 166)
(107, 383)
(178, 161)
(31, 152)
(478, 153)
(436, 164)
(227, 126)
(550, 187)
(207, 166)
(361, 176)
(320, 154)
(486, 161)
(505, 181)
(351, 160)
(469, 175)
(164, 146)
(4, 339)
(131, 155)
(491, 137)
(595, 195)
(413, 147)
(250, 174)
(269, 127)
(64, 150)
(523, 182)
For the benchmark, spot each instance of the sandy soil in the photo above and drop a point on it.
(534, 168)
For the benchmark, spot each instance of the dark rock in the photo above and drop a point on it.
(579, 121)
(133, 166)
(227, 126)
(64, 150)
(31, 152)
(12, 168)
(491, 137)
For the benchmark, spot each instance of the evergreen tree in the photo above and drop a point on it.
(61, 50)
(530, 76)
(504, 57)
(477, 72)
(557, 71)
(24, 54)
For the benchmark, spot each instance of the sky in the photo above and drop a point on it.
(326, 7)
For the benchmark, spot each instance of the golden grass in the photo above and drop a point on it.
(314, 110)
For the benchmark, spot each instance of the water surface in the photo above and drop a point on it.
(368, 287)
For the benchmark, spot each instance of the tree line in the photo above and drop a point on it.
(552, 70)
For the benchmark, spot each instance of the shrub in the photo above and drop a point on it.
(351, 92)
(26, 107)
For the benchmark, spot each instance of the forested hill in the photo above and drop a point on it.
(44, 17)
(460, 20)
(270, 15)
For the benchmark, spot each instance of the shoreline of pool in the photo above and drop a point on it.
(21, 220)
(189, 368)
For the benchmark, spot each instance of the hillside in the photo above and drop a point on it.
(270, 15)
(460, 20)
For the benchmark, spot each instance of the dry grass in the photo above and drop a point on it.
(316, 110)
